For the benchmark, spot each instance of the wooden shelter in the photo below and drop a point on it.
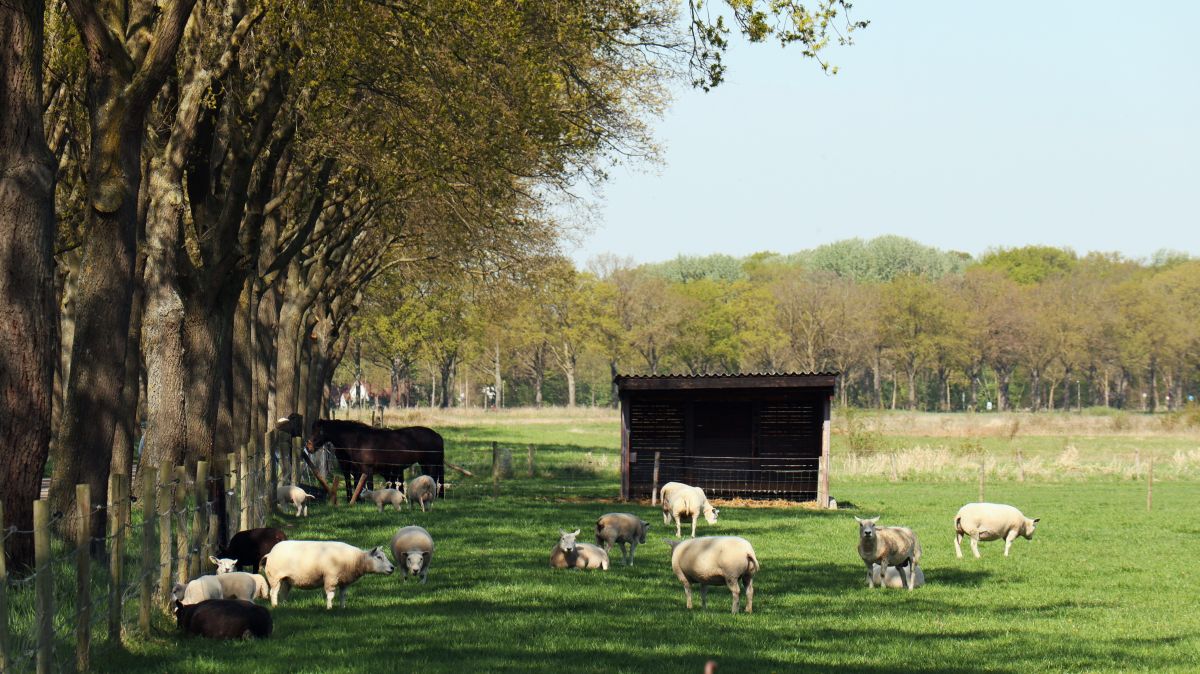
(739, 436)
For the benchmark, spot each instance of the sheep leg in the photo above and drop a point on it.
(871, 576)
(703, 596)
(330, 592)
(275, 593)
(906, 574)
(342, 593)
(1008, 541)
(632, 551)
(958, 544)
(678, 531)
(734, 590)
(424, 574)
(975, 545)
(749, 593)
(693, 526)
(687, 592)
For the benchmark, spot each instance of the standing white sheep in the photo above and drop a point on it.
(887, 546)
(621, 529)
(384, 497)
(991, 522)
(665, 491)
(290, 494)
(715, 560)
(422, 489)
(688, 502)
(328, 564)
(412, 547)
(568, 554)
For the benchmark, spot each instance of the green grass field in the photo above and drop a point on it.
(1104, 586)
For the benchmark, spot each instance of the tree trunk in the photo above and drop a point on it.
(877, 381)
(912, 387)
(1035, 387)
(446, 371)
(1003, 377)
(499, 380)
(28, 309)
(128, 429)
(614, 393)
(241, 398)
(287, 359)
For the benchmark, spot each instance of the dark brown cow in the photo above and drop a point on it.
(360, 448)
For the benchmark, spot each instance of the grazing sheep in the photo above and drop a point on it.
(688, 502)
(621, 528)
(250, 546)
(290, 494)
(412, 547)
(235, 585)
(384, 497)
(421, 489)
(567, 554)
(991, 522)
(712, 560)
(888, 546)
(894, 580)
(328, 564)
(224, 619)
(664, 493)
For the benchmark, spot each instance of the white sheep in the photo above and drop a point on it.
(894, 580)
(568, 554)
(421, 489)
(384, 497)
(228, 575)
(290, 494)
(991, 522)
(236, 585)
(665, 491)
(887, 546)
(223, 565)
(328, 564)
(621, 529)
(691, 502)
(412, 547)
(713, 560)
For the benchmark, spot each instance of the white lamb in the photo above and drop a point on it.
(568, 554)
(894, 580)
(412, 547)
(328, 564)
(292, 495)
(887, 546)
(384, 497)
(714, 560)
(688, 502)
(991, 522)
(422, 489)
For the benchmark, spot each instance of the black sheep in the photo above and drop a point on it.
(224, 619)
(250, 546)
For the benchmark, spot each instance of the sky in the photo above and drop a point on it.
(963, 125)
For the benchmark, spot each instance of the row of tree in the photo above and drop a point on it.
(905, 325)
(194, 194)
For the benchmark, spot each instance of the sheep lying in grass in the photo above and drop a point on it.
(384, 497)
(621, 529)
(292, 495)
(894, 580)
(422, 489)
(224, 619)
(713, 560)
(567, 554)
(991, 522)
(412, 547)
(250, 546)
(230, 577)
(328, 564)
(235, 585)
(691, 502)
(887, 546)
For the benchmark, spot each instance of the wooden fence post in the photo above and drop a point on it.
(199, 520)
(982, 472)
(654, 488)
(1137, 462)
(181, 533)
(44, 583)
(295, 448)
(823, 497)
(4, 659)
(333, 492)
(117, 498)
(83, 578)
(244, 503)
(362, 481)
(272, 481)
(895, 469)
(1020, 467)
(532, 473)
(1150, 482)
(148, 516)
(234, 514)
(163, 504)
(495, 470)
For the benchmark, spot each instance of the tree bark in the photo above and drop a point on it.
(28, 309)
(128, 429)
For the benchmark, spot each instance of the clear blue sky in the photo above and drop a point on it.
(961, 124)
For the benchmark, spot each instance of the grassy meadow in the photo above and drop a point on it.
(1104, 586)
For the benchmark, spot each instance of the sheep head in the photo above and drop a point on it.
(224, 565)
(866, 528)
(566, 541)
(1029, 527)
(379, 562)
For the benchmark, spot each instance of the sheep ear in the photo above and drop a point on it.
(575, 533)
(214, 560)
(856, 519)
(875, 519)
(562, 532)
(1036, 520)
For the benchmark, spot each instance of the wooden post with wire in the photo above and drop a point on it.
(272, 479)
(199, 520)
(118, 498)
(895, 468)
(295, 460)
(180, 510)
(233, 515)
(244, 484)
(1020, 466)
(146, 597)
(163, 505)
(44, 584)
(654, 483)
(823, 497)
(362, 481)
(83, 578)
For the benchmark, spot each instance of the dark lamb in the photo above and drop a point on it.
(250, 546)
(224, 619)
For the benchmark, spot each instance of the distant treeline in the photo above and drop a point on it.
(906, 325)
